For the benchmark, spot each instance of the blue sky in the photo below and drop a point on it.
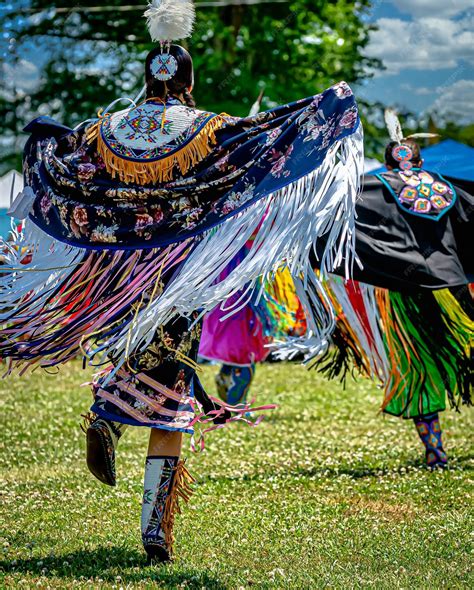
(427, 47)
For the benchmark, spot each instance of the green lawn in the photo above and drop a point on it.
(325, 493)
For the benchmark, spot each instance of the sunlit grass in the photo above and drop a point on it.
(325, 493)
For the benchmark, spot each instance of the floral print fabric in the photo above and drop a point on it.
(77, 201)
(157, 388)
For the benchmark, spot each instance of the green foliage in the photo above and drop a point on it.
(290, 49)
(325, 493)
(89, 58)
(463, 134)
(376, 135)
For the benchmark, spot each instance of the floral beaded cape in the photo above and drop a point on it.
(78, 201)
(132, 218)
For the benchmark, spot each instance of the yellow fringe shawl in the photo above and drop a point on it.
(164, 169)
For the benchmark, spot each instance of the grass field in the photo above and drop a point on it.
(325, 493)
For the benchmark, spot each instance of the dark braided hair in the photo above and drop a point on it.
(179, 84)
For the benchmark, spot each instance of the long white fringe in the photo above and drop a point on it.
(322, 203)
(51, 263)
(293, 220)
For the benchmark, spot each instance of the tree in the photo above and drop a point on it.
(293, 50)
(376, 134)
(89, 56)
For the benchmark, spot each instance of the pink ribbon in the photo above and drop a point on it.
(239, 412)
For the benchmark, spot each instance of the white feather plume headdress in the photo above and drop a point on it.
(395, 130)
(170, 20)
(393, 125)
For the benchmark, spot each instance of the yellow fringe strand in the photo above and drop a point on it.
(399, 346)
(164, 169)
(180, 488)
(92, 133)
(460, 326)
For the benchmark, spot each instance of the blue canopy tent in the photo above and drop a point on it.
(449, 158)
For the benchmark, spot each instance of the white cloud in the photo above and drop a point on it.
(456, 103)
(420, 8)
(429, 43)
(418, 90)
(423, 91)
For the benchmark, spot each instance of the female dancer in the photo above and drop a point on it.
(409, 320)
(132, 218)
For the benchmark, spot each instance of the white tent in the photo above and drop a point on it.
(10, 185)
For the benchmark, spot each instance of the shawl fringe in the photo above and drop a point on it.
(164, 169)
(418, 347)
(67, 299)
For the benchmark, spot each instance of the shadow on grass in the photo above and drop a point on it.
(462, 463)
(106, 563)
(459, 463)
(359, 472)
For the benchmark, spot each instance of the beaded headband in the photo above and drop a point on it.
(168, 21)
(402, 152)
